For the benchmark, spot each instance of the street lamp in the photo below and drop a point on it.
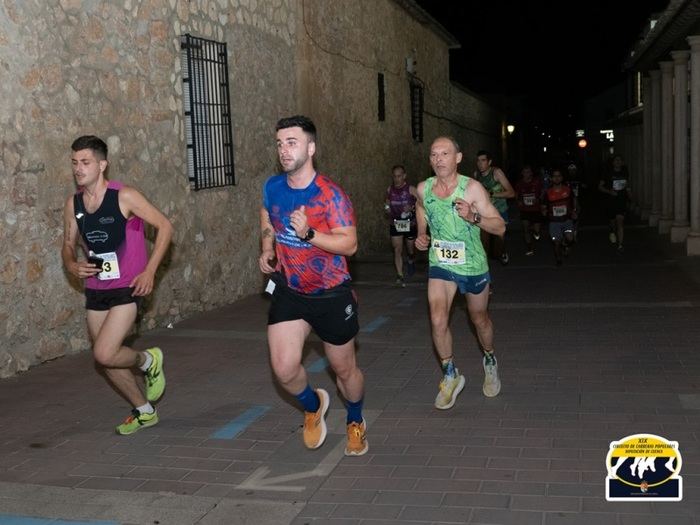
(510, 128)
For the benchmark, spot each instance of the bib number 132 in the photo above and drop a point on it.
(448, 252)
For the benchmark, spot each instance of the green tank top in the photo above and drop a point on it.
(489, 182)
(455, 244)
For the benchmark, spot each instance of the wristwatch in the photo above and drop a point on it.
(309, 234)
(477, 218)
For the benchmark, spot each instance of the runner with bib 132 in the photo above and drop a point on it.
(456, 208)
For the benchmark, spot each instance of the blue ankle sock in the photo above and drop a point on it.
(309, 399)
(354, 411)
(448, 368)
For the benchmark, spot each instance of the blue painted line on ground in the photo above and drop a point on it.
(10, 519)
(238, 425)
(318, 366)
(408, 301)
(374, 324)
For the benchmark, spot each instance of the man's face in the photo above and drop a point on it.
(617, 163)
(444, 157)
(527, 174)
(86, 166)
(399, 177)
(557, 177)
(294, 148)
(483, 163)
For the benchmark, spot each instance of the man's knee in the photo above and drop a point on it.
(105, 353)
(480, 318)
(439, 320)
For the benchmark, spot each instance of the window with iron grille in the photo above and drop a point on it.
(207, 113)
(417, 110)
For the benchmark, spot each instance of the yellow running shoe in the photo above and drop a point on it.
(450, 387)
(136, 421)
(492, 383)
(357, 439)
(315, 429)
(155, 377)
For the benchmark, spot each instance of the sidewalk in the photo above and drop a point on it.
(604, 347)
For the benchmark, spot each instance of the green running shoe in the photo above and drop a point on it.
(136, 421)
(155, 378)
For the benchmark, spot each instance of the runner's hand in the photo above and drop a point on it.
(267, 257)
(423, 242)
(299, 222)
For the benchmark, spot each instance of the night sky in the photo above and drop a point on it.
(555, 53)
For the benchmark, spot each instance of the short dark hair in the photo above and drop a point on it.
(454, 142)
(91, 142)
(484, 153)
(398, 167)
(298, 121)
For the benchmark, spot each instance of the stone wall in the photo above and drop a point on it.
(112, 68)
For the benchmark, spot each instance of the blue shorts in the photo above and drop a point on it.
(473, 284)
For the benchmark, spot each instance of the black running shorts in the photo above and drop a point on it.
(332, 314)
(102, 300)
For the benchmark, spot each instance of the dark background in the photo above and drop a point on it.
(555, 54)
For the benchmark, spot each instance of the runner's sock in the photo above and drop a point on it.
(146, 409)
(309, 399)
(448, 367)
(354, 411)
(147, 362)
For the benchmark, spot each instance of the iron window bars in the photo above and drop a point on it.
(207, 107)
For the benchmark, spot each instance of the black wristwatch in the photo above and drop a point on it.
(309, 234)
(477, 218)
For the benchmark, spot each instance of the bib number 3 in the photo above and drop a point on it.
(110, 267)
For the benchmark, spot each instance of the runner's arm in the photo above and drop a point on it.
(80, 269)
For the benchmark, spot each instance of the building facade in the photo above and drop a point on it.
(660, 132)
(372, 74)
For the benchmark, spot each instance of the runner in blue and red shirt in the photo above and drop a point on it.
(308, 228)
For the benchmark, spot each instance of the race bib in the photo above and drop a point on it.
(619, 184)
(449, 252)
(403, 225)
(110, 266)
(529, 199)
(559, 211)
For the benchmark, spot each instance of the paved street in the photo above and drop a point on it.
(604, 347)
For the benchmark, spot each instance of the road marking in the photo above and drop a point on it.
(318, 366)
(259, 480)
(374, 324)
(238, 425)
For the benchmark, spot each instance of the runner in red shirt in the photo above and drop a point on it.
(528, 192)
(560, 206)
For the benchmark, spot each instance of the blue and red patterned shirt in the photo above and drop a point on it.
(308, 269)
